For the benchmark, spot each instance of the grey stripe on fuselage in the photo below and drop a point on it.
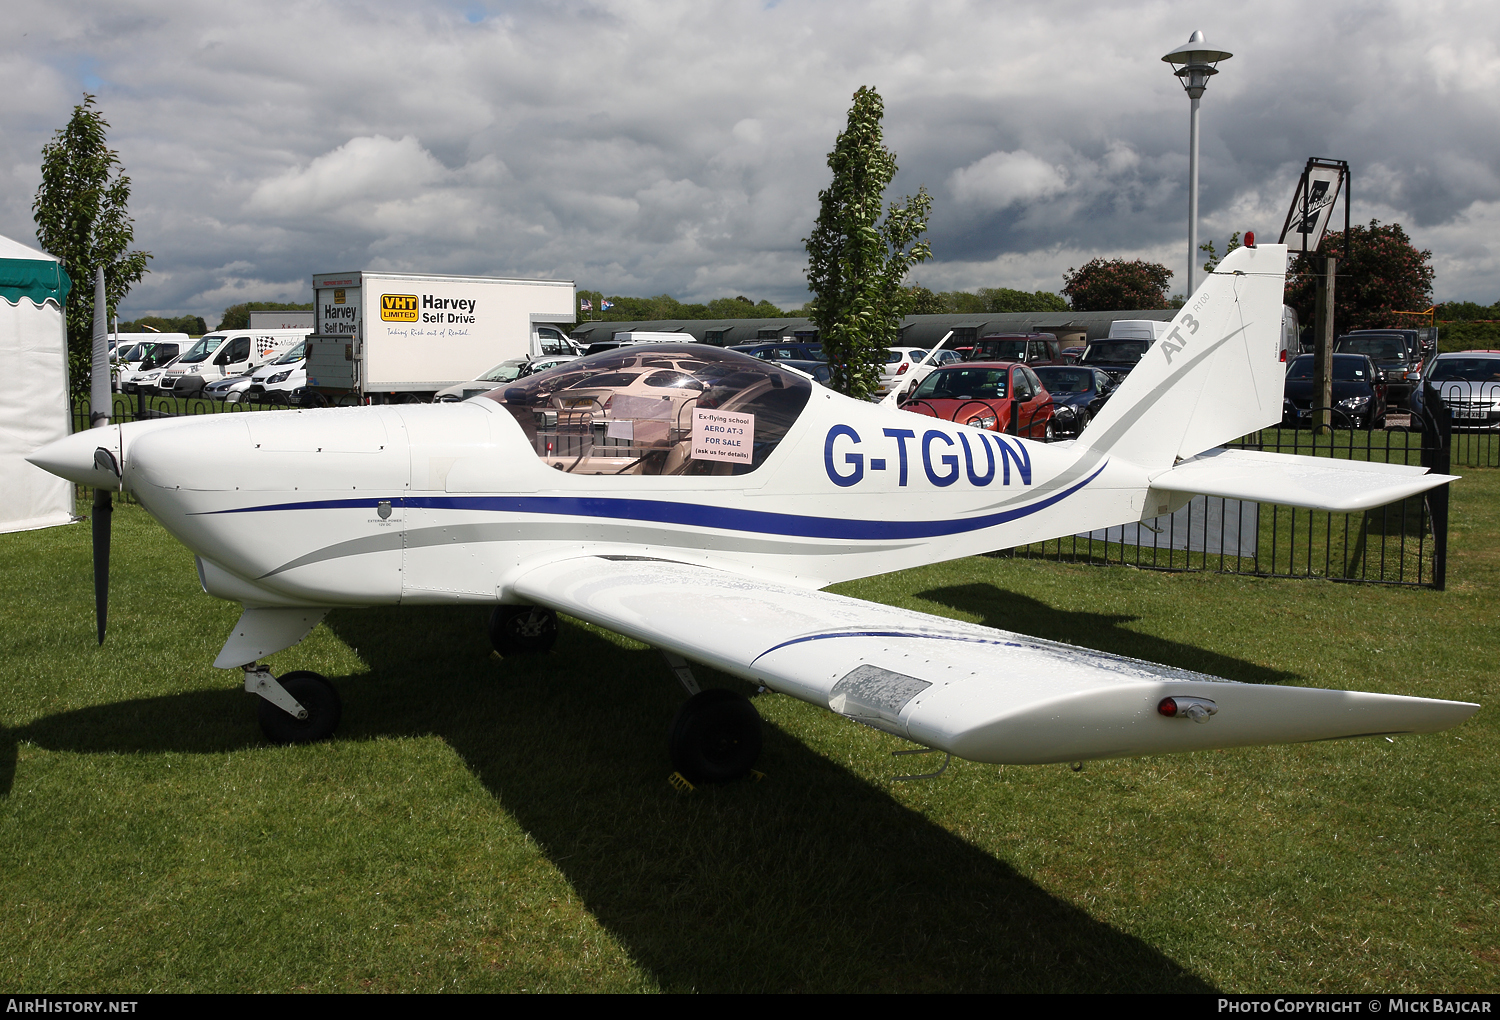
(547, 531)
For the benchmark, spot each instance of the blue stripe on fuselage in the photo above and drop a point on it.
(691, 514)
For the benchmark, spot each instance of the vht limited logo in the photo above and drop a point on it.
(398, 308)
(409, 308)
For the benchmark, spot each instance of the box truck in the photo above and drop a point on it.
(400, 337)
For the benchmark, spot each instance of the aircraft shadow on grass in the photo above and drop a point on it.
(813, 879)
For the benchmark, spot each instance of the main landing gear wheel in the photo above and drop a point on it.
(715, 737)
(522, 630)
(314, 693)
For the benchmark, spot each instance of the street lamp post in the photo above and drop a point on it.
(1194, 63)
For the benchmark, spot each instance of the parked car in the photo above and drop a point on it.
(1026, 348)
(230, 390)
(506, 371)
(1417, 340)
(981, 394)
(922, 369)
(1401, 365)
(1116, 358)
(1468, 384)
(541, 364)
(819, 370)
(148, 370)
(1359, 393)
(1078, 393)
(274, 383)
(783, 351)
(898, 361)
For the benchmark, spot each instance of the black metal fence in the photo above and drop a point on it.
(1403, 543)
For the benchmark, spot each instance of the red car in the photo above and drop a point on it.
(981, 393)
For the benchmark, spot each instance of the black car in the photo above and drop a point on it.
(1417, 340)
(1078, 392)
(1468, 384)
(786, 350)
(1115, 357)
(1401, 365)
(819, 370)
(1358, 393)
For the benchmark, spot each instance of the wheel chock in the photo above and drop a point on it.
(679, 782)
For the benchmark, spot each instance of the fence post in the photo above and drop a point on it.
(1437, 457)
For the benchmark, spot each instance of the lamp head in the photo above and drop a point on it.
(1195, 62)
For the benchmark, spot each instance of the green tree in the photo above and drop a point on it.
(924, 301)
(1207, 248)
(855, 263)
(81, 218)
(238, 316)
(1465, 311)
(192, 325)
(1111, 285)
(1384, 273)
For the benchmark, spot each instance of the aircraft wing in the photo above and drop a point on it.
(982, 694)
(1317, 483)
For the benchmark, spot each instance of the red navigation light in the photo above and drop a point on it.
(1249, 239)
(1167, 707)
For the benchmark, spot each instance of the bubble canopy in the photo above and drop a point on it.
(657, 409)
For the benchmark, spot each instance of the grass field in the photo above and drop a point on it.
(481, 824)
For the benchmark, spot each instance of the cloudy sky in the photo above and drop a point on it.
(649, 146)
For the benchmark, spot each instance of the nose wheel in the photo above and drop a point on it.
(296, 708)
(522, 630)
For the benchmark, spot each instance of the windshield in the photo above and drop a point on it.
(202, 349)
(1115, 352)
(132, 353)
(895, 357)
(1344, 369)
(1381, 348)
(663, 409)
(1466, 370)
(1066, 380)
(295, 354)
(504, 372)
(160, 354)
(964, 384)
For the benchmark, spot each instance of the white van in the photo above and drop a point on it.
(130, 349)
(1138, 329)
(225, 353)
(274, 382)
(156, 357)
(640, 336)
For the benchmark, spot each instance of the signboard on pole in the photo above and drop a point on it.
(1312, 204)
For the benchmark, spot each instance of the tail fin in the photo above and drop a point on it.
(1214, 377)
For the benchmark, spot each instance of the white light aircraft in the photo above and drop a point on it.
(697, 500)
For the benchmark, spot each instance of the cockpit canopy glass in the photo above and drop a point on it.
(658, 409)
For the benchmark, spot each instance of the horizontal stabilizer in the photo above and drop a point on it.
(982, 694)
(1315, 483)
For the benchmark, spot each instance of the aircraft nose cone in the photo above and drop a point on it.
(90, 458)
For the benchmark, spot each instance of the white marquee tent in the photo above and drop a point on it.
(33, 385)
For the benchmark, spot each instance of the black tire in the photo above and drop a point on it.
(715, 737)
(1051, 434)
(523, 630)
(316, 694)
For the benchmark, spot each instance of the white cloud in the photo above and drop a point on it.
(679, 146)
(1002, 179)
